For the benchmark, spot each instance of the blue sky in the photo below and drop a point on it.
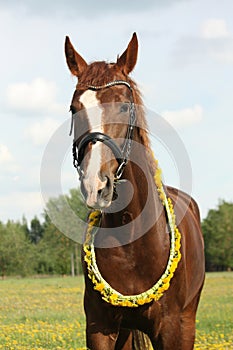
(184, 69)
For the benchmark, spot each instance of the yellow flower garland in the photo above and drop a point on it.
(108, 293)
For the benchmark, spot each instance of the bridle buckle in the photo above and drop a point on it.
(120, 170)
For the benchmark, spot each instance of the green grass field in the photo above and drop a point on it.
(48, 314)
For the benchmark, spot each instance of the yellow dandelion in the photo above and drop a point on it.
(99, 286)
(113, 297)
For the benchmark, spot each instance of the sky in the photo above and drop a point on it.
(184, 70)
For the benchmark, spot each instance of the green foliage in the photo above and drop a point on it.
(54, 252)
(16, 253)
(217, 229)
(43, 248)
(36, 232)
(53, 246)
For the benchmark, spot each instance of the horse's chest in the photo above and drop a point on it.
(143, 318)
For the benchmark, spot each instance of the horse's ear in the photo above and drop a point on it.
(75, 62)
(128, 59)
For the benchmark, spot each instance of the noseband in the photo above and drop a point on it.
(121, 155)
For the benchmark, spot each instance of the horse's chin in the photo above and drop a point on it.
(100, 205)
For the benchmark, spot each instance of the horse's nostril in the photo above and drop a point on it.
(103, 184)
(108, 183)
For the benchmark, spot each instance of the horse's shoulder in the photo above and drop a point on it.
(181, 198)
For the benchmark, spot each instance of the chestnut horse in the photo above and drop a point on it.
(116, 166)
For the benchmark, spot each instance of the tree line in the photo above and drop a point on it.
(39, 247)
(217, 230)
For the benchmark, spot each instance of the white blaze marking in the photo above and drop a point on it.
(93, 109)
(94, 114)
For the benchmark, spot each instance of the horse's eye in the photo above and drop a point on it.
(124, 108)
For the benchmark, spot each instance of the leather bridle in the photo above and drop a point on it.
(121, 155)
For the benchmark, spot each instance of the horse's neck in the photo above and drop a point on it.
(137, 239)
(143, 216)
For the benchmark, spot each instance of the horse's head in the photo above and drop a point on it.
(103, 113)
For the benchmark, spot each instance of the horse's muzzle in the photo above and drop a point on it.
(98, 193)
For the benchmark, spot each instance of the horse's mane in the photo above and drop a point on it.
(101, 73)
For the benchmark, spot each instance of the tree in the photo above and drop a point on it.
(16, 255)
(25, 226)
(36, 231)
(63, 229)
(53, 252)
(68, 214)
(51, 247)
(217, 229)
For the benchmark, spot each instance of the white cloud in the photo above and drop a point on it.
(214, 43)
(225, 55)
(214, 28)
(184, 117)
(36, 96)
(40, 132)
(8, 163)
(16, 204)
(5, 155)
(217, 39)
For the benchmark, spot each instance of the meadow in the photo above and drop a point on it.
(48, 314)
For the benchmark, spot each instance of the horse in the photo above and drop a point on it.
(143, 250)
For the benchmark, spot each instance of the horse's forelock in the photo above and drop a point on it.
(98, 73)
